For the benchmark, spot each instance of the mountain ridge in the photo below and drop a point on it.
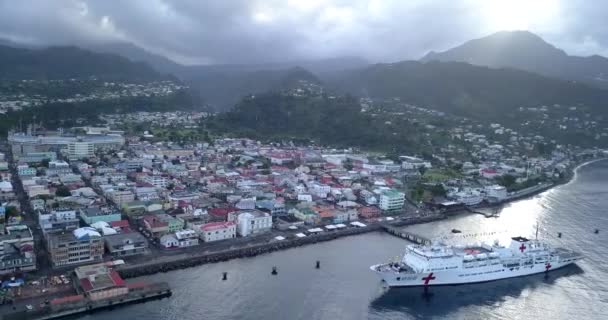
(526, 51)
(67, 62)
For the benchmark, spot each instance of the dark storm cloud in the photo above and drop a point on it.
(243, 31)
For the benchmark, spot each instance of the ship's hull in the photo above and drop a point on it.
(463, 276)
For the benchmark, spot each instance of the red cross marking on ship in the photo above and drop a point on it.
(547, 266)
(428, 278)
(522, 248)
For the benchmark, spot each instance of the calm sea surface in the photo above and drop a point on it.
(344, 287)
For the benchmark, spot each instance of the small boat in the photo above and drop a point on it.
(456, 231)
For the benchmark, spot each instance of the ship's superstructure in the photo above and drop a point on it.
(440, 264)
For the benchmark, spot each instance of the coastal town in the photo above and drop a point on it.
(84, 207)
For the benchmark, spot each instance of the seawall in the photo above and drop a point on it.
(141, 269)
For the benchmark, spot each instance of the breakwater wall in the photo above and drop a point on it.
(130, 271)
(152, 267)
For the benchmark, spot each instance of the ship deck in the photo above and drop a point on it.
(470, 251)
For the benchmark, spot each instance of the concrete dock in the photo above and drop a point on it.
(85, 305)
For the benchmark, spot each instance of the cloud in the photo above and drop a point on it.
(254, 31)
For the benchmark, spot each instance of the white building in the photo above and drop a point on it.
(80, 149)
(253, 222)
(157, 181)
(186, 238)
(410, 163)
(391, 200)
(215, 231)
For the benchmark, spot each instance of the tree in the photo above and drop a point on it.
(348, 164)
(506, 180)
(438, 190)
(45, 162)
(63, 191)
(422, 170)
(11, 211)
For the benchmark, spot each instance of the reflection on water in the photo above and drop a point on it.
(516, 219)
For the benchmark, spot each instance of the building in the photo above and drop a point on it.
(80, 149)
(369, 212)
(391, 200)
(121, 197)
(126, 244)
(215, 231)
(186, 238)
(158, 181)
(253, 222)
(100, 282)
(162, 224)
(275, 208)
(58, 221)
(82, 245)
(288, 221)
(307, 215)
(410, 163)
(58, 167)
(21, 143)
(17, 250)
(26, 171)
(6, 191)
(38, 157)
(93, 214)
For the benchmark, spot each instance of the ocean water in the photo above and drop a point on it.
(345, 288)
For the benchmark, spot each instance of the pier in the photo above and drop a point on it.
(406, 235)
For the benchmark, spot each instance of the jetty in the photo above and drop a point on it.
(406, 235)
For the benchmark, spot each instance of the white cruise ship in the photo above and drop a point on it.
(450, 265)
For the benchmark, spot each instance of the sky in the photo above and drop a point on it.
(258, 31)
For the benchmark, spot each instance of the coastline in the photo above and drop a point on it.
(166, 263)
(575, 170)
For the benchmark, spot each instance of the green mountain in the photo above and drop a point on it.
(326, 120)
(526, 51)
(56, 63)
(223, 89)
(463, 89)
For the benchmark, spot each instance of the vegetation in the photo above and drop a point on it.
(477, 92)
(63, 191)
(434, 175)
(321, 119)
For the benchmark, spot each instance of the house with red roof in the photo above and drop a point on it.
(488, 173)
(215, 231)
(98, 282)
